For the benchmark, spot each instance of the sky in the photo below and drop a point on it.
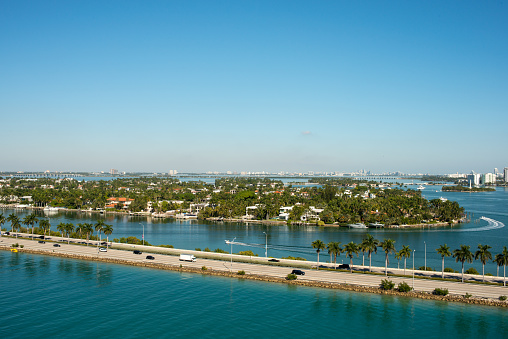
(287, 85)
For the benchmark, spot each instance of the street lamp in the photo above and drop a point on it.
(425, 262)
(231, 243)
(266, 245)
(143, 233)
(414, 270)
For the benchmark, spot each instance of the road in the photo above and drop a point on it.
(326, 276)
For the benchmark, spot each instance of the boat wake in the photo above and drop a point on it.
(492, 225)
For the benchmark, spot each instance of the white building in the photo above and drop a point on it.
(506, 174)
(488, 178)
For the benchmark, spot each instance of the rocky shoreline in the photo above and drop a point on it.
(339, 286)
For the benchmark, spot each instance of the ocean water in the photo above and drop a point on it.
(47, 297)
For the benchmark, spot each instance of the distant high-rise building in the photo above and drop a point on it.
(173, 172)
(113, 171)
(506, 174)
(488, 178)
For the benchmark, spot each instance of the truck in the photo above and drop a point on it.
(187, 257)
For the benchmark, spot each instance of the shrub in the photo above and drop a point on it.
(15, 245)
(502, 298)
(291, 276)
(467, 295)
(21, 246)
(204, 268)
(471, 270)
(220, 250)
(423, 268)
(240, 272)
(294, 258)
(387, 284)
(181, 266)
(450, 270)
(197, 249)
(250, 253)
(207, 249)
(440, 291)
(404, 287)
(489, 274)
(167, 246)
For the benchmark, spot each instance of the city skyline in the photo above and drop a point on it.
(234, 86)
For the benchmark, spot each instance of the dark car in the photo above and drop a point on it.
(344, 266)
(41, 237)
(149, 257)
(274, 260)
(298, 272)
(56, 245)
(137, 252)
(41, 242)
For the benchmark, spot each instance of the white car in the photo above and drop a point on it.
(103, 249)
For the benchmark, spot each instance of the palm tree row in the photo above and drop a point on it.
(369, 244)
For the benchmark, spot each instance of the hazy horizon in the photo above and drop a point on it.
(415, 87)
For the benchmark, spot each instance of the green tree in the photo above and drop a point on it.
(61, 227)
(318, 245)
(334, 248)
(350, 249)
(388, 245)
(107, 229)
(14, 220)
(2, 221)
(30, 220)
(463, 254)
(483, 254)
(99, 225)
(88, 229)
(444, 251)
(69, 228)
(405, 252)
(371, 245)
(45, 225)
(501, 259)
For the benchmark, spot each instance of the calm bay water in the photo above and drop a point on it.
(296, 240)
(46, 297)
(43, 297)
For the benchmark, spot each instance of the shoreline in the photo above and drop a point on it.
(233, 220)
(265, 278)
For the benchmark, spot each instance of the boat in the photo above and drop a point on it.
(420, 187)
(52, 209)
(376, 224)
(443, 199)
(357, 225)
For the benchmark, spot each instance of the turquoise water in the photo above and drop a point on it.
(46, 297)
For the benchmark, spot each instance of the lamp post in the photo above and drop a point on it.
(231, 243)
(425, 261)
(143, 233)
(414, 270)
(266, 245)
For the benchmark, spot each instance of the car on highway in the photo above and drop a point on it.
(298, 272)
(344, 266)
(41, 242)
(56, 245)
(103, 249)
(137, 252)
(150, 257)
(274, 260)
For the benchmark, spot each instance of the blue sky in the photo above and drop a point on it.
(414, 86)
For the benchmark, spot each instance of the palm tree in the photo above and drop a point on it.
(334, 248)
(45, 225)
(388, 245)
(88, 229)
(501, 259)
(444, 251)
(61, 227)
(69, 228)
(2, 221)
(371, 245)
(463, 254)
(405, 252)
(350, 249)
(398, 256)
(79, 228)
(483, 254)
(108, 229)
(13, 219)
(30, 220)
(99, 225)
(318, 245)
